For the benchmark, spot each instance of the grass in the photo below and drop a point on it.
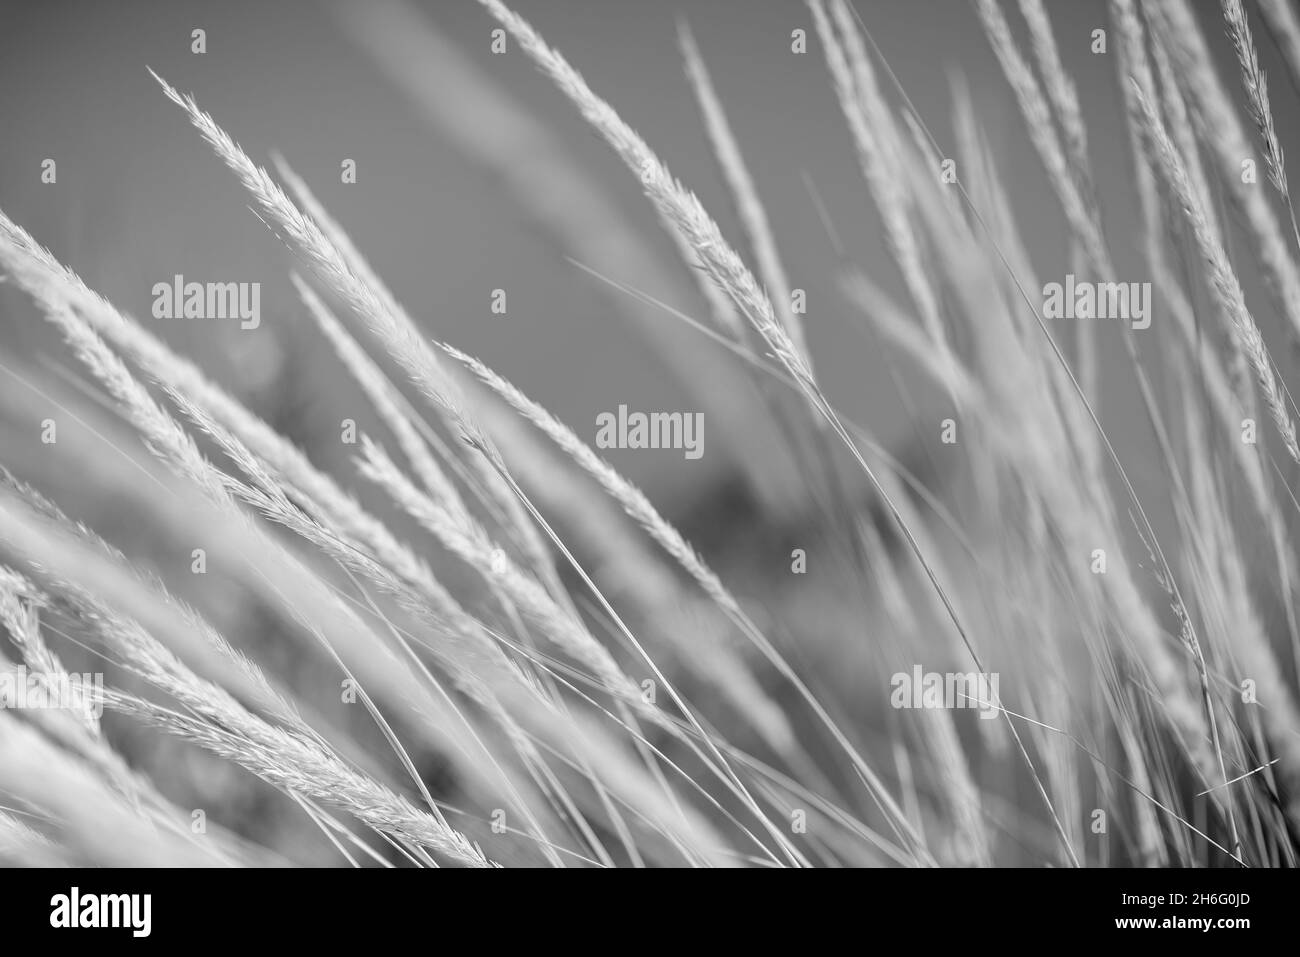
(550, 671)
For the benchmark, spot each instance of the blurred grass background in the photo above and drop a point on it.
(139, 198)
